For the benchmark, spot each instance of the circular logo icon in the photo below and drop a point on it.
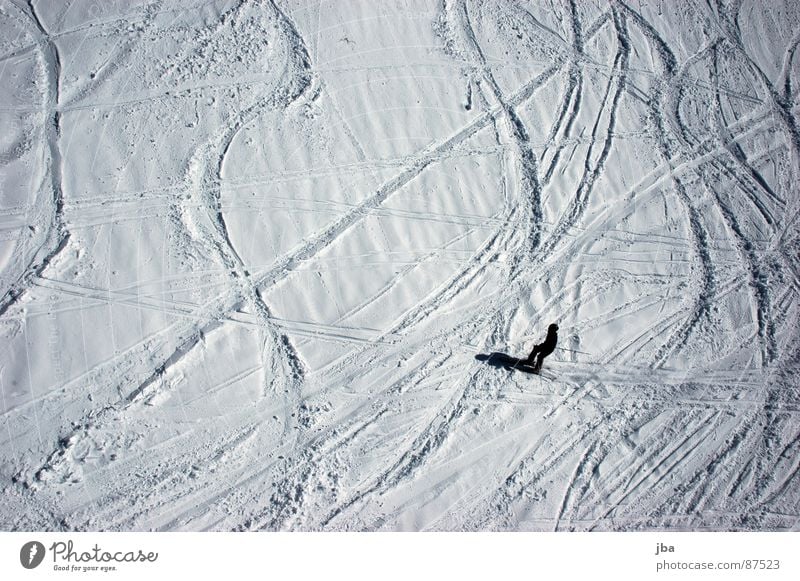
(31, 554)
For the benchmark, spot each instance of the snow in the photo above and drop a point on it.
(249, 252)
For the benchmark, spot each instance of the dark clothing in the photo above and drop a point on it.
(543, 349)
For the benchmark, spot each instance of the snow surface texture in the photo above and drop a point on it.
(251, 250)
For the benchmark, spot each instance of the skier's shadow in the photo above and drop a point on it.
(505, 361)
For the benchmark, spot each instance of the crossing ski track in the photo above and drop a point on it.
(249, 251)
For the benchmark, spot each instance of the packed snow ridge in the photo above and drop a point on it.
(263, 265)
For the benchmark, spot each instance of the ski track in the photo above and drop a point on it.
(687, 422)
(54, 235)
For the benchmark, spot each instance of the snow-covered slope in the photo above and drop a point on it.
(250, 251)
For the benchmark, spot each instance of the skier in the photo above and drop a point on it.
(543, 349)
